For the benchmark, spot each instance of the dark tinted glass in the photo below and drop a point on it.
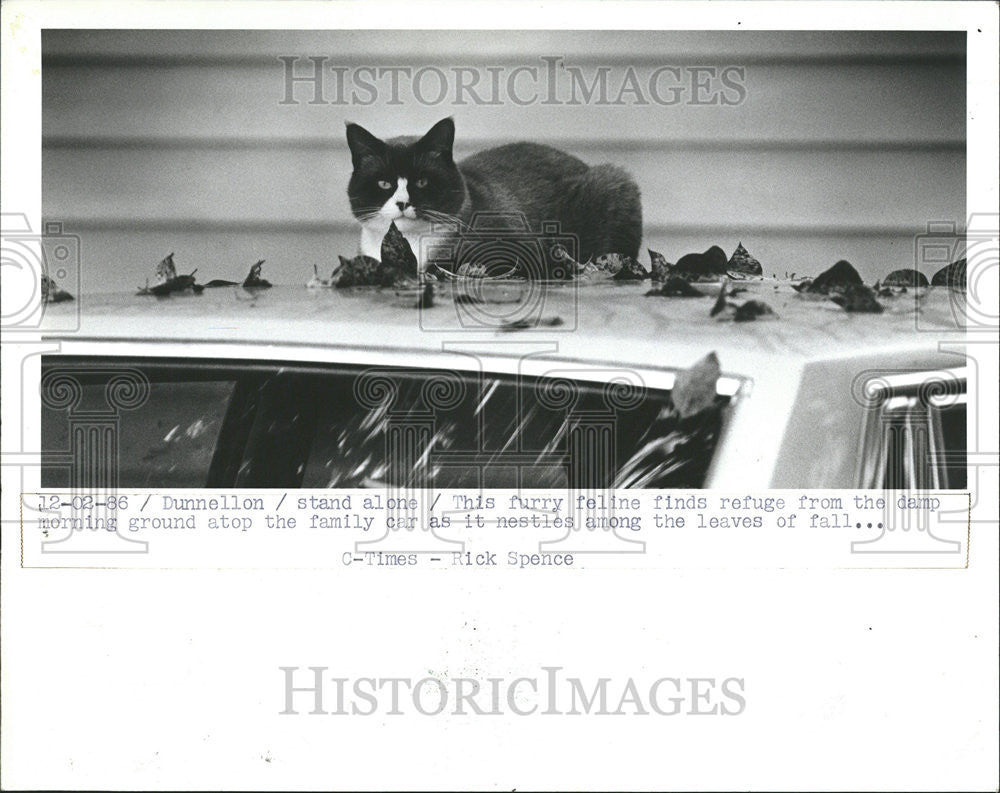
(953, 435)
(166, 441)
(207, 424)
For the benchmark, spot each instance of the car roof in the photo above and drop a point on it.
(598, 322)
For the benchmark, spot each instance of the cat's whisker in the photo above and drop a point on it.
(364, 217)
(444, 218)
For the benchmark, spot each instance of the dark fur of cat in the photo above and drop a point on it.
(415, 183)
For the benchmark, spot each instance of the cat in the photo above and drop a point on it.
(416, 184)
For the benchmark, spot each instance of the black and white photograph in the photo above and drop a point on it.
(506, 395)
(311, 241)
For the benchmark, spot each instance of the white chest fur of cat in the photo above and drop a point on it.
(400, 211)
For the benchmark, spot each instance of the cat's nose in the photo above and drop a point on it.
(402, 205)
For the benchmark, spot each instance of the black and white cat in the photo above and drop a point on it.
(415, 183)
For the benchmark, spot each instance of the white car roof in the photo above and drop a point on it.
(598, 322)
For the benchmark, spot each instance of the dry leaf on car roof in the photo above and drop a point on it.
(253, 279)
(397, 253)
(660, 266)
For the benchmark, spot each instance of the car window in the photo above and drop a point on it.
(166, 441)
(914, 435)
(262, 425)
(953, 423)
(482, 431)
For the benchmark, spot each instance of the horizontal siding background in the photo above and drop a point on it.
(846, 146)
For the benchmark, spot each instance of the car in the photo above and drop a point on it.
(502, 384)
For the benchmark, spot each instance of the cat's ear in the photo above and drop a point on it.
(362, 143)
(440, 138)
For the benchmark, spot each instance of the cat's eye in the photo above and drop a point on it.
(421, 183)
(384, 185)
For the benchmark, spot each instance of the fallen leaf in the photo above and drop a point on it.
(660, 266)
(906, 278)
(857, 298)
(841, 276)
(750, 310)
(695, 388)
(675, 287)
(708, 264)
(610, 263)
(363, 271)
(51, 293)
(631, 270)
(165, 270)
(319, 283)
(397, 253)
(953, 275)
(592, 273)
(621, 267)
(168, 282)
(742, 262)
(253, 279)
(739, 312)
(524, 324)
